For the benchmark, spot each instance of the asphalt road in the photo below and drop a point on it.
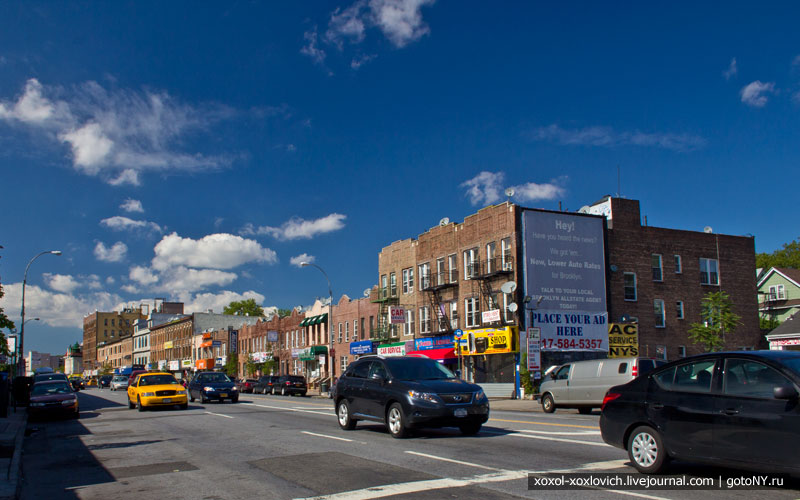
(292, 448)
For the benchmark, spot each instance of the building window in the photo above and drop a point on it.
(347, 331)
(491, 249)
(454, 315)
(505, 249)
(340, 333)
(658, 310)
(384, 285)
(661, 352)
(658, 274)
(709, 272)
(777, 292)
(371, 326)
(452, 266)
(392, 285)
(470, 263)
(408, 280)
(440, 273)
(678, 265)
(105, 322)
(424, 276)
(508, 315)
(424, 320)
(112, 321)
(681, 351)
(355, 330)
(629, 280)
(679, 309)
(408, 327)
(472, 312)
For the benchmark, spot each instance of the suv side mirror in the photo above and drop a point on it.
(378, 377)
(784, 392)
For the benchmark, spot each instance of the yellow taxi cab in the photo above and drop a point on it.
(153, 389)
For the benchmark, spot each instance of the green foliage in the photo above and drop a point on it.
(251, 367)
(231, 368)
(284, 313)
(524, 375)
(4, 323)
(244, 308)
(788, 256)
(768, 324)
(718, 319)
(105, 369)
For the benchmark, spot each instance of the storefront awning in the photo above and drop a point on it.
(319, 349)
(437, 354)
(320, 319)
(305, 321)
(207, 343)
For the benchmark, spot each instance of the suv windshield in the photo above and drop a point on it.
(157, 380)
(54, 388)
(120, 378)
(417, 369)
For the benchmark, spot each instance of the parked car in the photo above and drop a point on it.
(207, 386)
(53, 398)
(583, 384)
(266, 384)
(291, 385)
(45, 376)
(740, 409)
(406, 392)
(246, 384)
(104, 381)
(119, 382)
(154, 389)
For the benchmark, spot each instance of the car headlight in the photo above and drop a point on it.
(180, 392)
(148, 394)
(480, 395)
(208, 388)
(234, 388)
(425, 396)
(68, 402)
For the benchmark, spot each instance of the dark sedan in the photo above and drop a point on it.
(740, 409)
(53, 398)
(408, 392)
(246, 384)
(104, 381)
(209, 386)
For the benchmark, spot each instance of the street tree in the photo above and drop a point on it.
(788, 256)
(718, 319)
(244, 308)
(284, 313)
(232, 365)
(4, 323)
(251, 367)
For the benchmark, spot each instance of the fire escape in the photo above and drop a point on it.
(385, 297)
(484, 274)
(444, 281)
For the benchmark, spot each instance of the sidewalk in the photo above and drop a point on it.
(12, 433)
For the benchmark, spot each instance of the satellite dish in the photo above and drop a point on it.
(510, 192)
(512, 307)
(508, 287)
(445, 221)
(366, 292)
(707, 229)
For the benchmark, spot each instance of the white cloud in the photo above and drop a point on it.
(131, 205)
(298, 228)
(731, 71)
(117, 134)
(217, 251)
(608, 137)
(217, 301)
(357, 62)
(754, 93)
(303, 257)
(311, 49)
(58, 309)
(116, 253)
(110, 280)
(487, 188)
(120, 223)
(182, 279)
(400, 20)
(346, 24)
(61, 282)
(143, 275)
(93, 282)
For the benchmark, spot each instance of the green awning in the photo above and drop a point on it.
(305, 321)
(320, 319)
(319, 349)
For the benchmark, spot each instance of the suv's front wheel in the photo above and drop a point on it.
(346, 422)
(396, 421)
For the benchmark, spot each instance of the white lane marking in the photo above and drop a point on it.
(443, 459)
(331, 413)
(326, 436)
(545, 438)
(563, 433)
(218, 414)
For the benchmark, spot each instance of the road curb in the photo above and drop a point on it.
(11, 489)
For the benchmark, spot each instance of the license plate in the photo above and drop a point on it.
(167, 400)
(460, 412)
(223, 395)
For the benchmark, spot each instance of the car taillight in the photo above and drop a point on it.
(610, 396)
(288, 383)
(635, 370)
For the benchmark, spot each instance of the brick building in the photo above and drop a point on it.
(352, 337)
(115, 354)
(660, 277)
(254, 343)
(100, 327)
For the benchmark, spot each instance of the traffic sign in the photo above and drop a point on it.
(458, 333)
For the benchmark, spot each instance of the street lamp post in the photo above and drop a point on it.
(330, 320)
(22, 326)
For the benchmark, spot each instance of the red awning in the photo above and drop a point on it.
(207, 343)
(437, 354)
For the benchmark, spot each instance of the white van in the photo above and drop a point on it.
(583, 384)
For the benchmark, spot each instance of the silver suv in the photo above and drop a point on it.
(119, 382)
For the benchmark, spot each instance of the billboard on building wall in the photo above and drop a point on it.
(565, 276)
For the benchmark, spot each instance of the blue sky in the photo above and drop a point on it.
(198, 153)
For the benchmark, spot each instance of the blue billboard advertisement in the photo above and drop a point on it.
(565, 276)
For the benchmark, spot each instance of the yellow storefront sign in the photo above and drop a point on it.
(488, 341)
(168, 345)
(623, 340)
